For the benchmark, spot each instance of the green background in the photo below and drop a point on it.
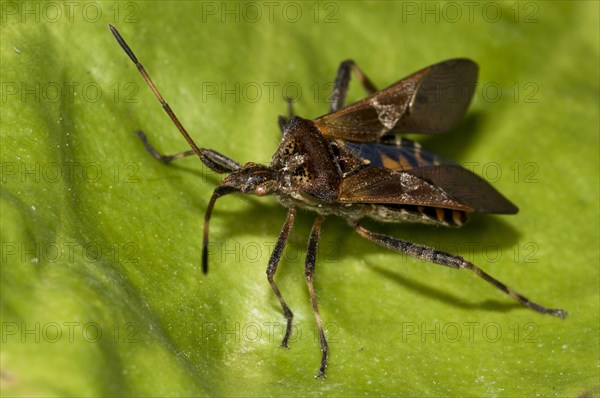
(98, 237)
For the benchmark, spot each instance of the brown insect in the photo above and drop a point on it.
(350, 163)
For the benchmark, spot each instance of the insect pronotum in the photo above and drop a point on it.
(351, 163)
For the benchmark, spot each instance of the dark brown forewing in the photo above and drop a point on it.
(432, 100)
(467, 188)
(380, 185)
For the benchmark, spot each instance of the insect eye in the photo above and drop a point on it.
(261, 190)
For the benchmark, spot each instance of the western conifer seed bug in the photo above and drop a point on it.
(351, 163)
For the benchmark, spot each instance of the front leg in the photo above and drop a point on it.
(159, 156)
(272, 268)
(309, 270)
(215, 161)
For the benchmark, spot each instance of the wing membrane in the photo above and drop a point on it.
(432, 100)
(466, 187)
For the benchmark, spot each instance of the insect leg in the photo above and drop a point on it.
(453, 261)
(213, 159)
(282, 120)
(272, 268)
(342, 80)
(309, 270)
(159, 156)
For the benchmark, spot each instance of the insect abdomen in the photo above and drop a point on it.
(420, 214)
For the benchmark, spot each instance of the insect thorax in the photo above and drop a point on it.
(310, 168)
(305, 165)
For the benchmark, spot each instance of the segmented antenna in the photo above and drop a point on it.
(217, 193)
(164, 104)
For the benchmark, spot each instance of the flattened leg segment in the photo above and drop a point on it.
(453, 261)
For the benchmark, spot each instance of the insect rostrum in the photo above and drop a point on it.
(351, 163)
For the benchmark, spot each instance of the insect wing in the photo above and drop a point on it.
(447, 186)
(432, 100)
(384, 186)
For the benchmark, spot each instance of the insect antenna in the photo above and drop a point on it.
(217, 193)
(164, 104)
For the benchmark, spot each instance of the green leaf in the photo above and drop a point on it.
(102, 291)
